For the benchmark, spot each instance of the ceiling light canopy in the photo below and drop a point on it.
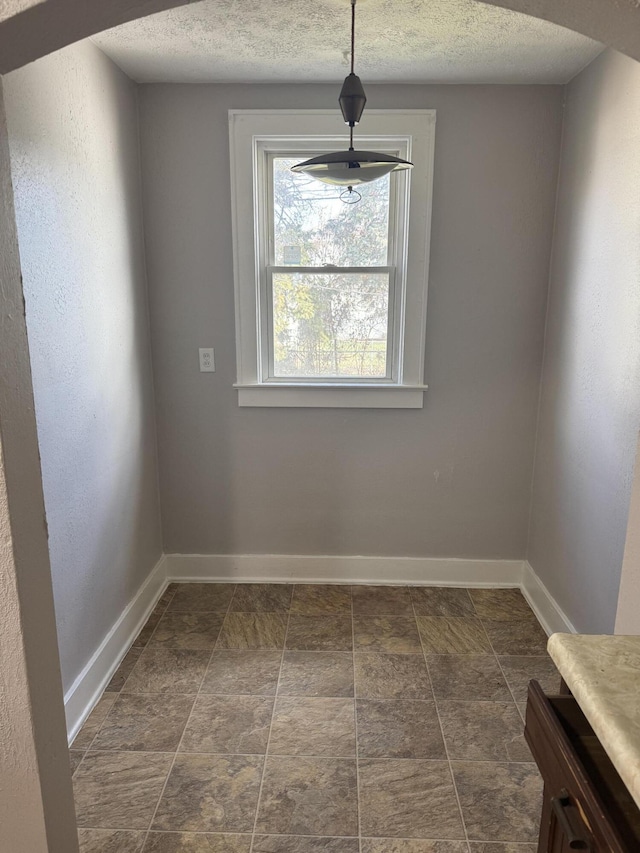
(351, 168)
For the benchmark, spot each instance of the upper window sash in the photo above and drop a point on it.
(266, 212)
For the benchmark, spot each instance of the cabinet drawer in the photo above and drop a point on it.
(584, 795)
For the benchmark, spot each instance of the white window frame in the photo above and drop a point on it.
(255, 136)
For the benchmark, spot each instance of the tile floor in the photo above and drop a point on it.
(273, 718)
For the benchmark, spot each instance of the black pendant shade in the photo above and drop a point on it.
(352, 99)
(350, 168)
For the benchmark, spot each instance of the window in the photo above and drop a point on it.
(330, 297)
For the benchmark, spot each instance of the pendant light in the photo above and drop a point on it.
(350, 168)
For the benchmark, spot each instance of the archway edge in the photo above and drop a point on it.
(26, 34)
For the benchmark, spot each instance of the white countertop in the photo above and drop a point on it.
(603, 673)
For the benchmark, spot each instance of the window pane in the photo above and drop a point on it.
(332, 324)
(313, 227)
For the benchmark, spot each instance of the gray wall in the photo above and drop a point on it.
(590, 402)
(74, 143)
(452, 479)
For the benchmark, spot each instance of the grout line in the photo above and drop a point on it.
(153, 633)
(173, 761)
(175, 754)
(103, 721)
(504, 675)
(444, 740)
(321, 756)
(506, 680)
(273, 713)
(355, 721)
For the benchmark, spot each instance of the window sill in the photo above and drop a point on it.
(348, 396)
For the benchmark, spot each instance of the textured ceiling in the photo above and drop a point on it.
(451, 41)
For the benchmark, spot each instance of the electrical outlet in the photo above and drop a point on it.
(207, 364)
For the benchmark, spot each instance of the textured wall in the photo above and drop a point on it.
(452, 479)
(36, 800)
(590, 403)
(75, 160)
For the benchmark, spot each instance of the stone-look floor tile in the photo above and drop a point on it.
(320, 633)
(483, 731)
(228, 724)
(445, 635)
(145, 723)
(262, 597)
(210, 793)
(162, 670)
(500, 605)
(165, 598)
(316, 674)
(75, 757)
(520, 670)
(472, 677)
(303, 844)
(156, 614)
(150, 626)
(235, 672)
(316, 599)
(191, 842)
(253, 631)
(304, 726)
(526, 637)
(202, 597)
(497, 847)
(499, 800)
(94, 721)
(408, 799)
(187, 631)
(398, 729)
(110, 841)
(309, 796)
(124, 670)
(381, 601)
(119, 790)
(411, 845)
(522, 708)
(387, 676)
(395, 634)
(441, 601)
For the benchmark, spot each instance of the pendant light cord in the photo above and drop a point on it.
(353, 48)
(353, 33)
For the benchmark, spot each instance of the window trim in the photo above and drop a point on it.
(270, 130)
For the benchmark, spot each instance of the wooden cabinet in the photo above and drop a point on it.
(586, 805)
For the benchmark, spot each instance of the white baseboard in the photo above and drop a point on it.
(244, 568)
(549, 613)
(89, 685)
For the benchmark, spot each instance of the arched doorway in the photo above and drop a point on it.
(30, 29)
